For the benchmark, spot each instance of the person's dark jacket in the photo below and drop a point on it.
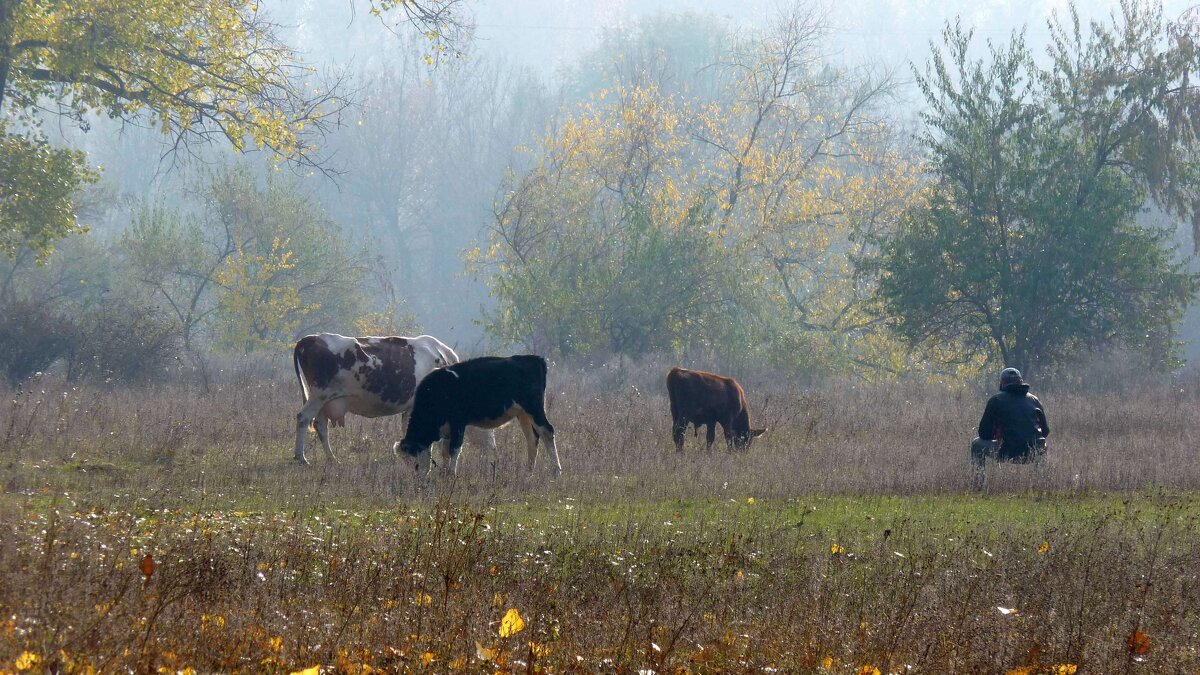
(1016, 418)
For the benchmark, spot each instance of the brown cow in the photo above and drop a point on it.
(699, 398)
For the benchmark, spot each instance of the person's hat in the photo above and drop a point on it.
(1010, 376)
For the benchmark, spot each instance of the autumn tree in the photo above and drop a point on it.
(757, 182)
(201, 71)
(249, 265)
(1028, 250)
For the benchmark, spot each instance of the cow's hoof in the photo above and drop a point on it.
(301, 461)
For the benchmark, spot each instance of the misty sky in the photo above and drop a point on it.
(548, 34)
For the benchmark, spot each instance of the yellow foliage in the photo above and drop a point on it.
(512, 623)
(27, 661)
(837, 549)
(312, 670)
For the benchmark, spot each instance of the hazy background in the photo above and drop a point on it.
(423, 152)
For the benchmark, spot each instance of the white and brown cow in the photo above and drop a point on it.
(368, 376)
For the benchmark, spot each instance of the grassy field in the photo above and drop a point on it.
(847, 540)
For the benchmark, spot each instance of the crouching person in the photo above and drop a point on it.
(1013, 427)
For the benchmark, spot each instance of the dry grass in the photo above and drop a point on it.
(636, 559)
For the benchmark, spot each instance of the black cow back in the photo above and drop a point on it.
(477, 389)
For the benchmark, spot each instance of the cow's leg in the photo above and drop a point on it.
(531, 439)
(303, 419)
(484, 438)
(453, 448)
(322, 426)
(678, 426)
(545, 431)
(423, 462)
(710, 435)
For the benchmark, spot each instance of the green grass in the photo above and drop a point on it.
(853, 552)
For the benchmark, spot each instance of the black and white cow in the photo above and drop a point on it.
(368, 376)
(484, 392)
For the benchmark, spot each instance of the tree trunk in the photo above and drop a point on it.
(8, 13)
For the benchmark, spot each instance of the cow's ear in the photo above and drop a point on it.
(755, 433)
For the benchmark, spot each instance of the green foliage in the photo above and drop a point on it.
(37, 185)
(199, 71)
(1028, 251)
(252, 265)
(717, 207)
(32, 337)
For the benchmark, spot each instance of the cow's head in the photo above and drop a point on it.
(742, 439)
(417, 454)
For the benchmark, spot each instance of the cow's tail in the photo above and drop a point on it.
(303, 385)
(299, 375)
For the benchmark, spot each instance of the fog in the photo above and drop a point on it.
(419, 160)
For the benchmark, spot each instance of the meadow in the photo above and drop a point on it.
(165, 529)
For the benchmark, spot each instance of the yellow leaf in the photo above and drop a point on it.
(276, 643)
(1022, 670)
(837, 549)
(750, 501)
(1043, 548)
(461, 662)
(428, 658)
(512, 623)
(27, 661)
(423, 599)
(868, 670)
(313, 670)
(539, 650)
(485, 653)
(827, 663)
(1064, 669)
(498, 600)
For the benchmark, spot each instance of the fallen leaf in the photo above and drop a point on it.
(148, 566)
(485, 653)
(312, 670)
(1006, 610)
(1043, 548)
(512, 623)
(837, 549)
(1137, 643)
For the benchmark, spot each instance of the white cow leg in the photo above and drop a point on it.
(423, 462)
(303, 419)
(453, 450)
(548, 434)
(485, 438)
(322, 425)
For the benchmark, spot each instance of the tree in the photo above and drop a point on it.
(254, 258)
(201, 71)
(601, 249)
(1027, 250)
(750, 196)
